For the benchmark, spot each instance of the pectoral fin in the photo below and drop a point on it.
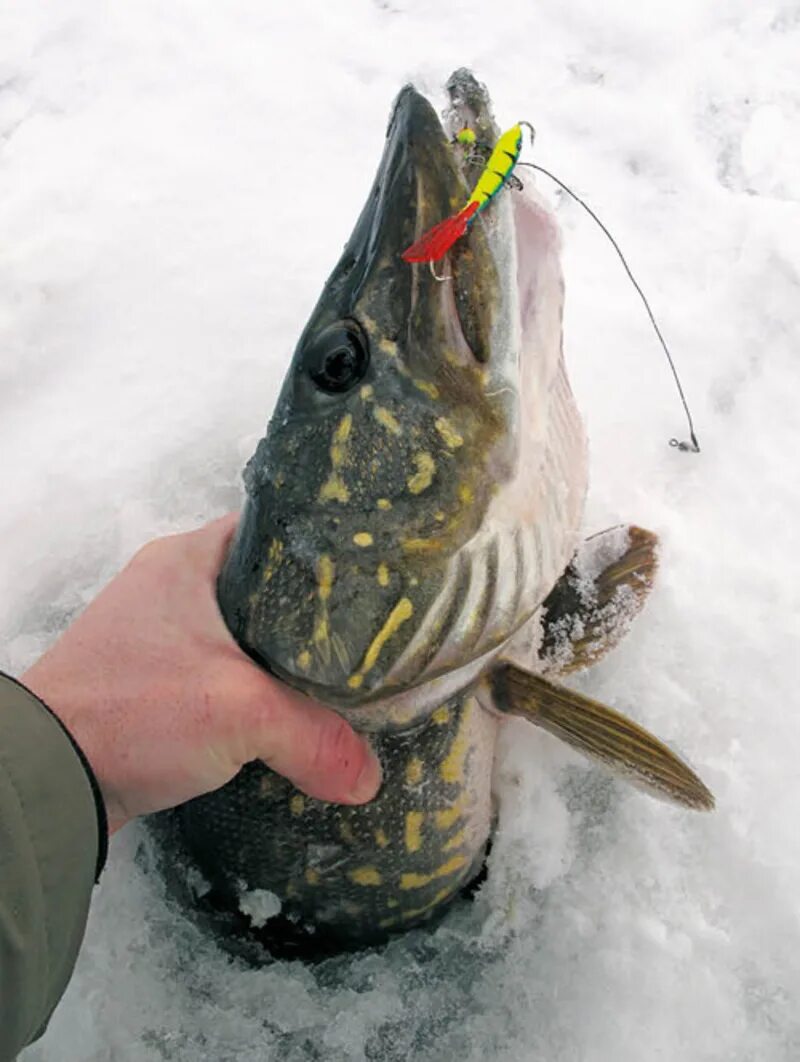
(592, 605)
(600, 733)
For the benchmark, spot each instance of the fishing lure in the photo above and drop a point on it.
(436, 242)
(497, 173)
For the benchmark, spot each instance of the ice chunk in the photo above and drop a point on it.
(259, 905)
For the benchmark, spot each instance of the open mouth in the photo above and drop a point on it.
(467, 284)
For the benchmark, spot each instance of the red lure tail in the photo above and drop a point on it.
(436, 242)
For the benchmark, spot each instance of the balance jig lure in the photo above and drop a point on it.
(497, 173)
(436, 242)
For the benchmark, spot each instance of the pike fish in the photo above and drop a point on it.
(409, 553)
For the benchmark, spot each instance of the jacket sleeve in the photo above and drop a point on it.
(53, 839)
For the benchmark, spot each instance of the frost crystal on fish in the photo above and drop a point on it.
(259, 905)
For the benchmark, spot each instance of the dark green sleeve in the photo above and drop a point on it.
(52, 843)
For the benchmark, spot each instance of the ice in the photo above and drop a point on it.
(176, 182)
(259, 905)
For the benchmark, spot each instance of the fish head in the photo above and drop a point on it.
(396, 425)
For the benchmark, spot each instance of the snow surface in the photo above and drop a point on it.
(176, 181)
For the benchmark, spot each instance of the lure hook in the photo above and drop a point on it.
(530, 129)
(436, 276)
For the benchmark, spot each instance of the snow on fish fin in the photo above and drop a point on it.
(591, 607)
(601, 733)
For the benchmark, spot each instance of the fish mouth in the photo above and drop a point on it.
(424, 177)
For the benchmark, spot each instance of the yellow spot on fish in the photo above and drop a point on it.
(413, 770)
(422, 545)
(452, 766)
(427, 388)
(439, 516)
(388, 346)
(334, 489)
(338, 452)
(343, 429)
(381, 839)
(297, 804)
(402, 611)
(366, 392)
(312, 876)
(392, 903)
(466, 494)
(384, 503)
(365, 876)
(383, 575)
(423, 477)
(441, 715)
(414, 821)
(304, 660)
(273, 558)
(417, 881)
(440, 895)
(448, 816)
(321, 630)
(449, 433)
(455, 841)
(387, 420)
(326, 572)
(363, 538)
(346, 832)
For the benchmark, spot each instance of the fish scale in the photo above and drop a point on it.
(353, 871)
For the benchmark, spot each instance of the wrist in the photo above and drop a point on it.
(99, 801)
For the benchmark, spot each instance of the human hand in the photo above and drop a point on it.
(164, 704)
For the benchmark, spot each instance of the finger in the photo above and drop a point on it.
(314, 747)
(214, 539)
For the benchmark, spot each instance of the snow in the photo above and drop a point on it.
(176, 182)
(259, 905)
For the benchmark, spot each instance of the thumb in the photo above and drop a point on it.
(312, 746)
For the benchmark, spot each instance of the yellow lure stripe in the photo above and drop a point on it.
(501, 162)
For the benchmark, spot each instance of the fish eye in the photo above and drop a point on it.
(338, 357)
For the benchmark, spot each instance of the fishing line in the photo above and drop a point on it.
(693, 446)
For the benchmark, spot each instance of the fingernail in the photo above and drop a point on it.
(368, 782)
